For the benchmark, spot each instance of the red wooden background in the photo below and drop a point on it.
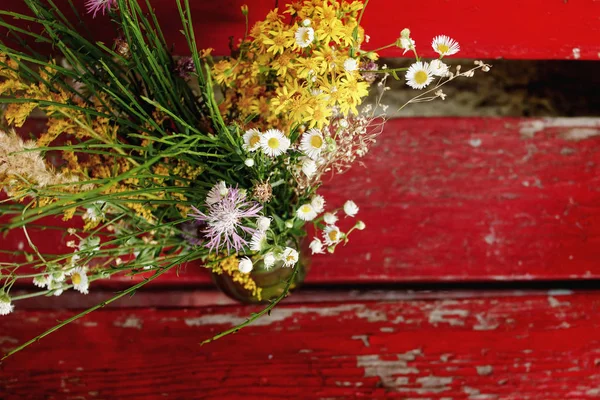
(444, 199)
(532, 29)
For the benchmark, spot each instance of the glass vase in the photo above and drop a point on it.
(271, 282)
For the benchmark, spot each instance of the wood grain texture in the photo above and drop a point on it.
(535, 29)
(516, 347)
(458, 199)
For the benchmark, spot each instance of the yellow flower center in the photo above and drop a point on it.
(443, 48)
(76, 279)
(333, 236)
(421, 77)
(273, 143)
(290, 258)
(306, 36)
(254, 140)
(306, 208)
(316, 141)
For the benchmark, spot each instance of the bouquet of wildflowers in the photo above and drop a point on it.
(154, 172)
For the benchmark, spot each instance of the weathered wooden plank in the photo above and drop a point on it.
(518, 347)
(459, 199)
(540, 29)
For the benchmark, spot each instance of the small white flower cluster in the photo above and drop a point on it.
(55, 279)
(332, 235)
(259, 242)
(420, 74)
(273, 142)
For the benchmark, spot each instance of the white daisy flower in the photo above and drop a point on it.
(309, 167)
(439, 68)
(273, 143)
(304, 36)
(306, 212)
(245, 265)
(318, 203)
(332, 235)
(289, 257)
(5, 304)
(217, 193)
(263, 223)
(41, 281)
(350, 208)
(444, 45)
(350, 64)
(80, 280)
(251, 140)
(258, 241)
(330, 218)
(269, 260)
(316, 246)
(312, 143)
(419, 75)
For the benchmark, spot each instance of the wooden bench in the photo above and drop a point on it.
(474, 278)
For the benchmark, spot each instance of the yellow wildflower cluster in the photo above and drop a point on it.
(297, 69)
(229, 266)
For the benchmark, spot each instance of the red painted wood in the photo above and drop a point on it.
(535, 29)
(517, 347)
(461, 199)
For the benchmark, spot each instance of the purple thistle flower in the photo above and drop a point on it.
(224, 219)
(185, 66)
(93, 6)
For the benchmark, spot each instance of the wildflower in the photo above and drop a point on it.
(330, 218)
(5, 303)
(445, 46)
(56, 287)
(360, 225)
(309, 167)
(312, 143)
(269, 260)
(316, 246)
(289, 257)
(274, 143)
(306, 22)
(439, 68)
(306, 212)
(350, 208)
(80, 280)
(95, 212)
(245, 265)
(251, 140)
(217, 193)
(184, 67)
(263, 223)
(263, 192)
(318, 203)
(93, 6)
(249, 162)
(350, 64)
(419, 75)
(304, 35)
(258, 241)
(224, 220)
(41, 281)
(332, 235)
(405, 42)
